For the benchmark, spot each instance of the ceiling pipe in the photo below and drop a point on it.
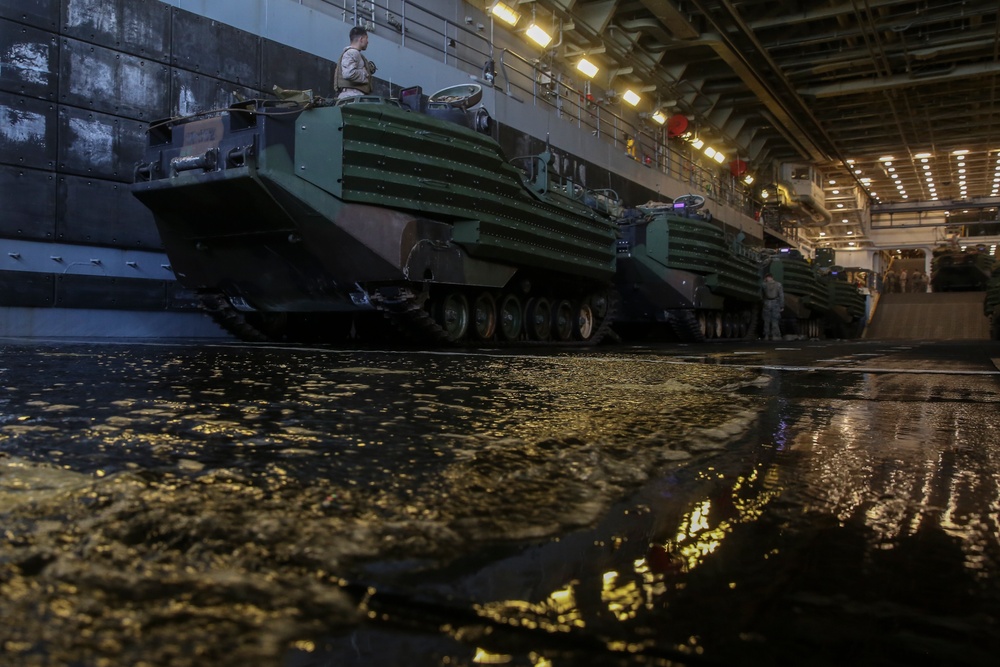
(960, 72)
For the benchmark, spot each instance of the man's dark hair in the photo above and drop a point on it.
(357, 31)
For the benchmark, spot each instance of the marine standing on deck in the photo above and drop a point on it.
(354, 72)
(891, 281)
(774, 303)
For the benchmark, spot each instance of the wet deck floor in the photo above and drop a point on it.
(819, 503)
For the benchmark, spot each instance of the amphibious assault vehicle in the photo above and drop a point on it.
(954, 269)
(991, 304)
(819, 302)
(848, 305)
(807, 297)
(307, 219)
(676, 266)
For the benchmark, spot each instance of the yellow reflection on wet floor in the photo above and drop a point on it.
(557, 613)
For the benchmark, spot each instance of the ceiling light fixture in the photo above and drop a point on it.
(631, 97)
(538, 35)
(588, 68)
(505, 13)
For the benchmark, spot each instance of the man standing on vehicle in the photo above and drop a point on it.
(354, 72)
(774, 303)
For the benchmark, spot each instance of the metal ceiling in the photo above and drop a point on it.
(840, 84)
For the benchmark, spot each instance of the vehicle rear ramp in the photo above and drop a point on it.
(930, 316)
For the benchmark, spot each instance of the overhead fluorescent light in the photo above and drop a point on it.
(538, 35)
(631, 97)
(720, 158)
(587, 67)
(709, 151)
(505, 13)
(697, 143)
(659, 117)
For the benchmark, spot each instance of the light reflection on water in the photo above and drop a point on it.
(217, 403)
(638, 597)
(244, 472)
(200, 473)
(901, 467)
(870, 525)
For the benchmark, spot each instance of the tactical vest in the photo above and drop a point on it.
(339, 82)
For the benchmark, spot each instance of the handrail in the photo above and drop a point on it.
(524, 80)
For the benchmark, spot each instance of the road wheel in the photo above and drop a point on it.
(511, 317)
(484, 316)
(538, 319)
(562, 320)
(453, 315)
(583, 328)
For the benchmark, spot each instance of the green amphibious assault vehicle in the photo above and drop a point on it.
(807, 298)
(818, 302)
(676, 266)
(957, 269)
(301, 220)
(848, 305)
(991, 305)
